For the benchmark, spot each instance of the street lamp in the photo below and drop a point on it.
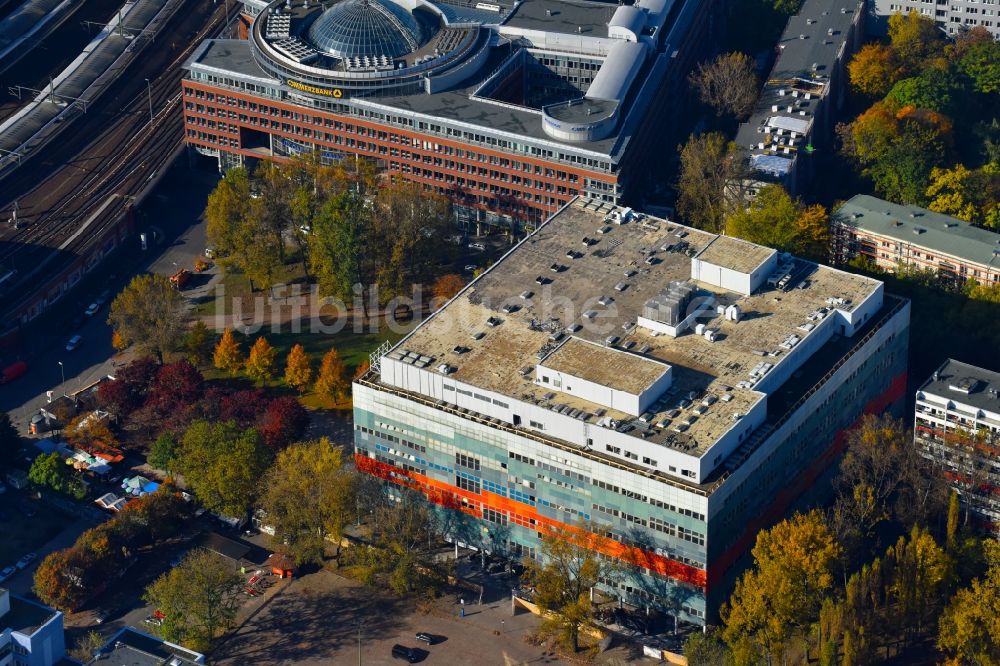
(62, 371)
(359, 642)
(149, 95)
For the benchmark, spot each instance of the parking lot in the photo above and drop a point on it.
(27, 525)
(319, 618)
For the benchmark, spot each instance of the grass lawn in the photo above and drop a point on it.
(23, 534)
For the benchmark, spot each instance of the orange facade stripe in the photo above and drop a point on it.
(447, 495)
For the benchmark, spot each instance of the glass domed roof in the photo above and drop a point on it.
(357, 28)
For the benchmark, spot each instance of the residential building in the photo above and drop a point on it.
(30, 634)
(956, 424)
(136, 648)
(952, 16)
(800, 102)
(894, 235)
(679, 388)
(509, 108)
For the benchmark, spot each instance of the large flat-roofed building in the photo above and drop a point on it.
(679, 388)
(30, 634)
(805, 90)
(510, 109)
(894, 235)
(956, 424)
(132, 647)
(953, 17)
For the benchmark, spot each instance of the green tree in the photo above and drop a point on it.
(981, 64)
(709, 186)
(223, 465)
(774, 219)
(228, 355)
(50, 471)
(728, 84)
(707, 649)
(783, 593)
(298, 369)
(148, 313)
(969, 629)
(308, 498)
(228, 205)
(874, 69)
(569, 567)
(336, 246)
(86, 647)
(199, 599)
(931, 89)
(163, 453)
(198, 344)
(260, 362)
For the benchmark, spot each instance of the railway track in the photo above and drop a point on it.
(127, 151)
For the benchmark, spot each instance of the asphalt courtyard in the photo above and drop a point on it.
(315, 620)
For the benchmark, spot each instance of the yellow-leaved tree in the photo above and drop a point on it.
(332, 380)
(874, 69)
(228, 356)
(298, 369)
(260, 362)
(782, 595)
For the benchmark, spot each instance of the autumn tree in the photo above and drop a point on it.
(361, 370)
(920, 570)
(260, 362)
(915, 39)
(446, 286)
(129, 389)
(57, 581)
(298, 369)
(223, 464)
(89, 428)
(308, 498)
(198, 344)
(728, 84)
(228, 355)
(883, 477)
(244, 407)
(86, 646)
(970, 195)
(774, 219)
(332, 380)
(244, 229)
(898, 149)
(874, 69)
(793, 570)
(707, 649)
(176, 388)
(283, 422)
(710, 185)
(148, 314)
(569, 567)
(969, 629)
(199, 599)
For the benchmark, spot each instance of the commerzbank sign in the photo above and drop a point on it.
(315, 90)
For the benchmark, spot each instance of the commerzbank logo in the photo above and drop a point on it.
(329, 92)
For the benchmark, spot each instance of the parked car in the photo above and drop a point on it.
(6, 573)
(101, 616)
(103, 297)
(405, 653)
(471, 268)
(26, 560)
(155, 621)
(92, 309)
(477, 246)
(74, 342)
(425, 637)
